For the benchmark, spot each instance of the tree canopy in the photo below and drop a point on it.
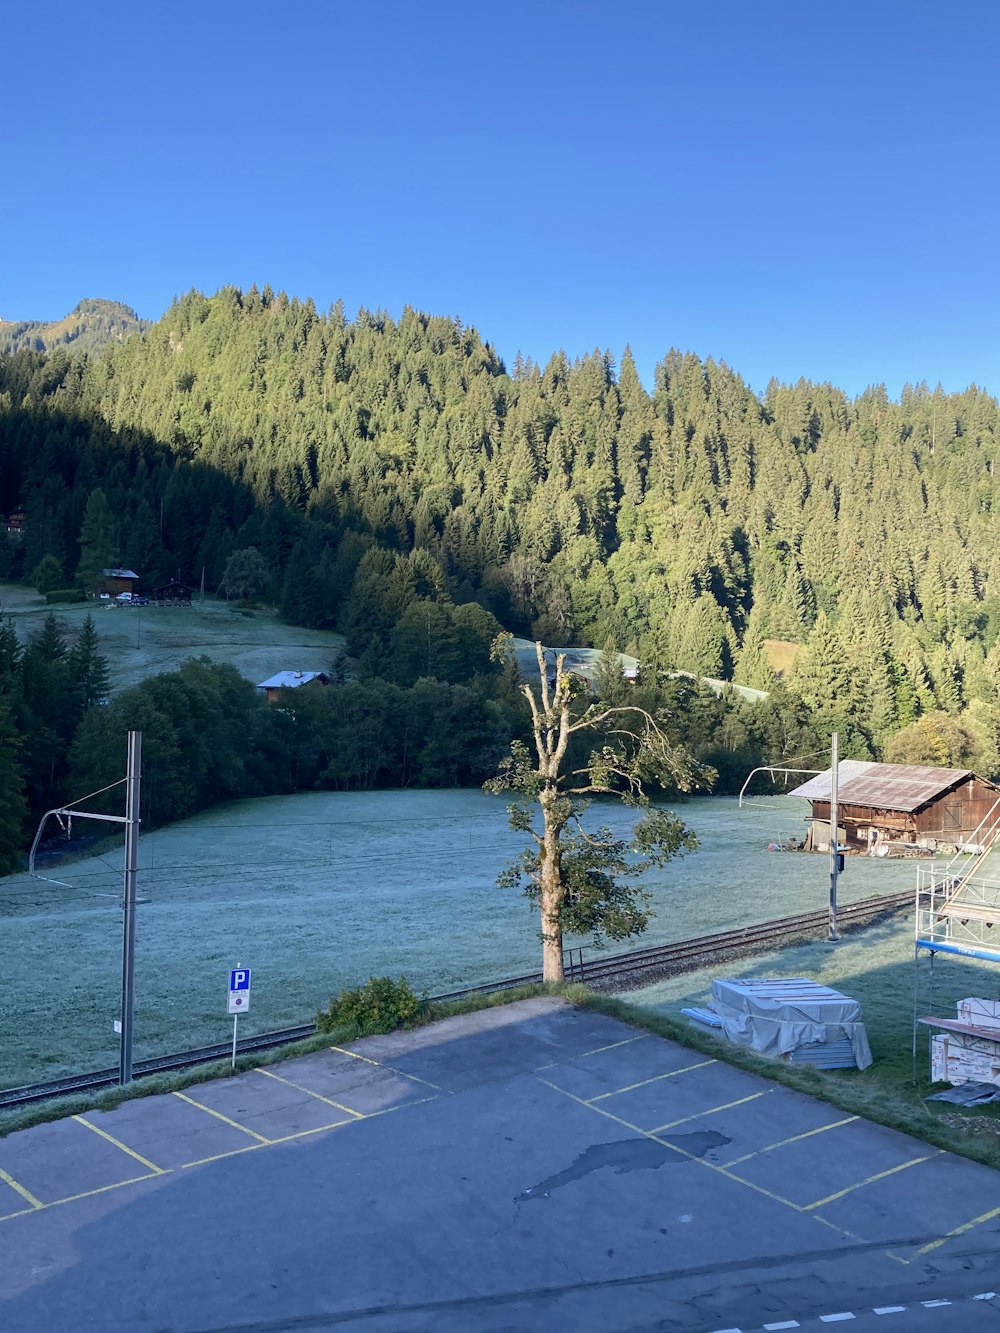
(588, 881)
(391, 473)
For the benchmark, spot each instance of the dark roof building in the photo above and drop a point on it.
(290, 680)
(171, 592)
(118, 580)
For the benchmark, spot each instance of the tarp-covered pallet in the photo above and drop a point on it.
(789, 1018)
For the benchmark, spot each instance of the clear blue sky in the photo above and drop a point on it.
(795, 188)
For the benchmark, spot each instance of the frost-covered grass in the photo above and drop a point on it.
(144, 641)
(320, 891)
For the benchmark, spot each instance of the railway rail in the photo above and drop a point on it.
(614, 973)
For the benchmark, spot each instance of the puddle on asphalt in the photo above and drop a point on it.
(628, 1155)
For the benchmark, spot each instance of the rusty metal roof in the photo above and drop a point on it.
(905, 787)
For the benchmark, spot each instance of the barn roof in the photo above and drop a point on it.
(291, 679)
(905, 787)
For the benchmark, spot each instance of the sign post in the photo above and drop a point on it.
(239, 999)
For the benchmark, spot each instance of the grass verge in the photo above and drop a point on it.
(151, 1085)
(884, 1093)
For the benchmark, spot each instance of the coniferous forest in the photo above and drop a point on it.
(395, 481)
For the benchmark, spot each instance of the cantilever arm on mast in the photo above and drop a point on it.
(772, 769)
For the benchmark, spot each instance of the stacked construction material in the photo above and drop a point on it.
(793, 1019)
(967, 1049)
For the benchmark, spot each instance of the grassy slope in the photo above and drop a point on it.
(323, 889)
(143, 641)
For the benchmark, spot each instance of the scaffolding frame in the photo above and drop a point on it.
(956, 910)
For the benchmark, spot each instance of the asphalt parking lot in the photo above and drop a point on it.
(529, 1167)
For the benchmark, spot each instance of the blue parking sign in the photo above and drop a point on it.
(239, 979)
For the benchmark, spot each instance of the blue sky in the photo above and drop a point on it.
(793, 188)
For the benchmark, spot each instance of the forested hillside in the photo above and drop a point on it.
(89, 327)
(381, 476)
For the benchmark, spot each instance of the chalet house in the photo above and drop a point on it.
(117, 580)
(290, 680)
(15, 523)
(887, 809)
(172, 594)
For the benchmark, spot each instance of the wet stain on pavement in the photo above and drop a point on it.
(627, 1155)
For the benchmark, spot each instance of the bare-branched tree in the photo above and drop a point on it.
(589, 882)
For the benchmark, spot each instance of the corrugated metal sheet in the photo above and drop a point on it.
(824, 1055)
(904, 787)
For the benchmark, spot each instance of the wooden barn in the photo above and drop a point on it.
(172, 594)
(118, 580)
(889, 809)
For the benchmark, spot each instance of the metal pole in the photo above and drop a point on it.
(916, 965)
(128, 901)
(834, 825)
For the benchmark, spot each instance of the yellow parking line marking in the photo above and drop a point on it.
(105, 1189)
(224, 1118)
(304, 1133)
(118, 1144)
(692, 1157)
(671, 1073)
(392, 1068)
(598, 1050)
(26, 1195)
(889, 1255)
(354, 1056)
(402, 1106)
(157, 1171)
(221, 1156)
(879, 1175)
(712, 1111)
(360, 1115)
(960, 1231)
(796, 1138)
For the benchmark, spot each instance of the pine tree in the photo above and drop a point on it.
(13, 807)
(98, 540)
(752, 667)
(88, 669)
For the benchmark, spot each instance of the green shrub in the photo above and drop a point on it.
(66, 595)
(380, 1005)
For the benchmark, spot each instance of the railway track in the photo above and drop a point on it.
(614, 973)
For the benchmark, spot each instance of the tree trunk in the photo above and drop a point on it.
(551, 897)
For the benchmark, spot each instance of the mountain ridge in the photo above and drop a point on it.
(90, 326)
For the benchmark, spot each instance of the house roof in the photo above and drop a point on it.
(905, 787)
(119, 573)
(291, 680)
